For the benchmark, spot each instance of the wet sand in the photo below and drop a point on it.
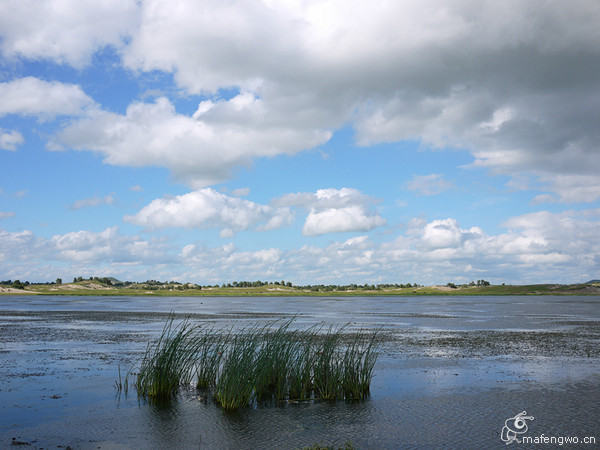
(451, 371)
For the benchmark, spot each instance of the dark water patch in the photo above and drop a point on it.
(464, 418)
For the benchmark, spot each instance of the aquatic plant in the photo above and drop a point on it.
(272, 362)
(358, 363)
(328, 367)
(300, 374)
(275, 357)
(235, 384)
(168, 363)
(122, 385)
(212, 346)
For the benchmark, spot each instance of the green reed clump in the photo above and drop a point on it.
(259, 363)
(301, 373)
(328, 367)
(275, 358)
(358, 362)
(168, 363)
(212, 346)
(235, 384)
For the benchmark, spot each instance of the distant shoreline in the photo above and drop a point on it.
(274, 290)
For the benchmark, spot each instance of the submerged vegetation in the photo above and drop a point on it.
(259, 363)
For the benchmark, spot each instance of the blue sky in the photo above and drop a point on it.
(314, 142)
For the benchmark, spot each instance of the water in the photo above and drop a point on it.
(451, 371)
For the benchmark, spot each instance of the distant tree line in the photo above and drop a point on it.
(236, 284)
(479, 283)
(18, 284)
(155, 284)
(105, 280)
(318, 287)
(356, 287)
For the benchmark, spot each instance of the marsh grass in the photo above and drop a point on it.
(169, 362)
(235, 384)
(272, 362)
(212, 346)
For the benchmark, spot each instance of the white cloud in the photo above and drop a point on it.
(429, 184)
(226, 263)
(543, 198)
(34, 97)
(337, 220)
(532, 250)
(515, 83)
(333, 211)
(19, 249)
(64, 31)
(200, 150)
(9, 140)
(93, 201)
(207, 208)
(447, 234)
(573, 188)
(107, 247)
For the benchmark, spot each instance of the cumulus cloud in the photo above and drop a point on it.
(573, 188)
(107, 247)
(207, 208)
(533, 249)
(515, 83)
(447, 234)
(66, 31)
(334, 210)
(200, 150)
(20, 250)
(337, 220)
(10, 140)
(226, 262)
(26, 256)
(32, 96)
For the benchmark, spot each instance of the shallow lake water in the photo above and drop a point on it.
(451, 371)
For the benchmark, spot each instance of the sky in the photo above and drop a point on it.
(316, 142)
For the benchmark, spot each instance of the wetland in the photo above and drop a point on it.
(450, 370)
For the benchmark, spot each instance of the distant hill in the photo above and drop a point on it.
(593, 282)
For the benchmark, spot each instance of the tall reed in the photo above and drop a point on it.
(258, 363)
(168, 363)
(358, 363)
(212, 346)
(276, 356)
(328, 366)
(235, 384)
(300, 375)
